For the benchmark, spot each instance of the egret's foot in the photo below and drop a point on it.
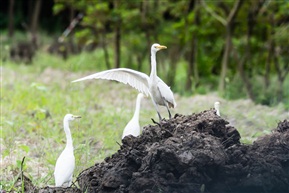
(156, 122)
(118, 143)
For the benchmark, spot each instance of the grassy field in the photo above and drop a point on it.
(35, 98)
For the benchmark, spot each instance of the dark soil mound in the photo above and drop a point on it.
(196, 153)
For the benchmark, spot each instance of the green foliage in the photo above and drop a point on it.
(234, 89)
(175, 24)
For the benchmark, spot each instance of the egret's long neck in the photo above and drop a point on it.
(68, 134)
(153, 65)
(137, 108)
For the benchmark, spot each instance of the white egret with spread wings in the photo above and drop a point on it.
(152, 85)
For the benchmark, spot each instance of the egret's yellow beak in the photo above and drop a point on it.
(77, 116)
(161, 47)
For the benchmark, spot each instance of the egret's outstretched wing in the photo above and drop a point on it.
(166, 92)
(137, 80)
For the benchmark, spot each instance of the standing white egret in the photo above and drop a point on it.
(217, 107)
(133, 128)
(151, 85)
(66, 162)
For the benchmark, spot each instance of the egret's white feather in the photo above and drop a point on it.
(137, 80)
(167, 94)
(64, 167)
(132, 128)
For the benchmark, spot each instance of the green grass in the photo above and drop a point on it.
(34, 102)
(35, 98)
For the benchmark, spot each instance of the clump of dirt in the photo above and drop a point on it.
(195, 153)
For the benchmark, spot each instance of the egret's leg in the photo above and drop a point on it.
(170, 116)
(157, 109)
(156, 123)
(159, 116)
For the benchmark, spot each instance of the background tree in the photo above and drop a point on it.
(239, 48)
(11, 19)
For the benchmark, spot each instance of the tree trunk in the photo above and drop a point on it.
(174, 57)
(104, 48)
(30, 10)
(225, 59)
(270, 52)
(282, 74)
(193, 73)
(143, 10)
(229, 30)
(140, 58)
(117, 37)
(251, 21)
(117, 46)
(11, 19)
(280, 80)
(71, 14)
(268, 62)
(245, 79)
(35, 17)
(193, 65)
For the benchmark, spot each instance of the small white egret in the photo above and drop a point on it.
(152, 85)
(133, 128)
(217, 107)
(66, 162)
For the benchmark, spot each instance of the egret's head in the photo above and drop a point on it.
(157, 47)
(140, 95)
(70, 117)
(217, 105)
